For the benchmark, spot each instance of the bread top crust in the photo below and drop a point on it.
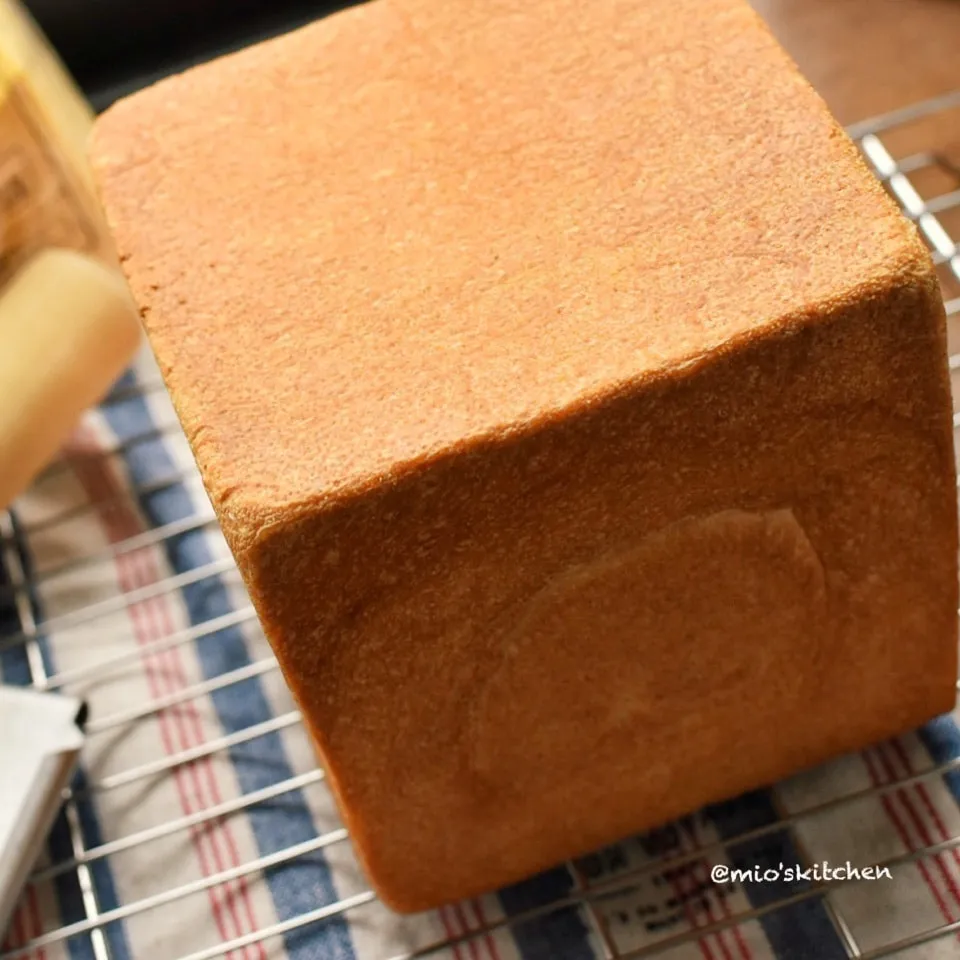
(415, 226)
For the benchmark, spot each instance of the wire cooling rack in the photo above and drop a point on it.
(113, 590)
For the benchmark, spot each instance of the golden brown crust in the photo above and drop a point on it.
(360, 191)
(468, 340)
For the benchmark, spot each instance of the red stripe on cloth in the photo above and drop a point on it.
(233, 891)
(703, 876)
(169, 723)
(206, 792)
(699, 879)
(25, 925)
(927, 804)
(450, 928)
(36, 924)
(926, 799)
(887, 803)
(488, 938)
(908, 796)
(15, 936)
(165, 674)
(672, 876)
(190, 734)
(465, 927)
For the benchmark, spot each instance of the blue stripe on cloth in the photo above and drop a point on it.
(306, 883)
(941, 737)
(800, 931)
(15, 669)
(560, 935)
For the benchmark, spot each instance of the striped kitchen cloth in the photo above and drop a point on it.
(199, 826)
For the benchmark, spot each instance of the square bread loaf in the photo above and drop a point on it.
(573, 400)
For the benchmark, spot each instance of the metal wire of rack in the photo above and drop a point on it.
(49, 560)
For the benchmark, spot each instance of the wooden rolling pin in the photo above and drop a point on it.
(68, 325)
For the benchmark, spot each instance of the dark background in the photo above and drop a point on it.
(864, 56)
(114, 46)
